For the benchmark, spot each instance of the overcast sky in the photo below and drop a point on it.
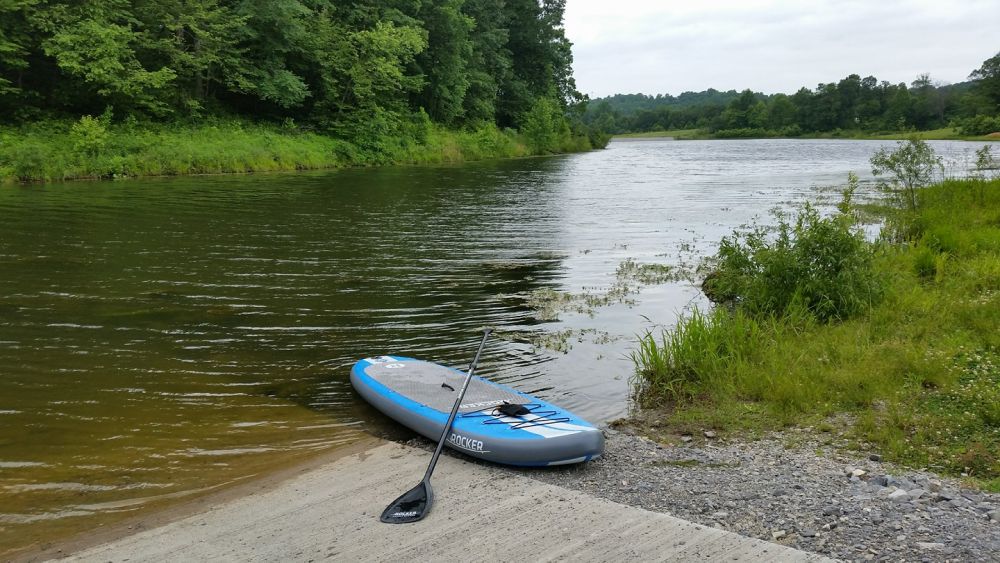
(771, 46)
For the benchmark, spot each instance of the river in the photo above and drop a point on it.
(160, 337)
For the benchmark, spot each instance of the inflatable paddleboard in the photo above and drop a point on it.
(494, 422)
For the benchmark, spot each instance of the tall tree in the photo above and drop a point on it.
(275, 40)
(445, 61)
(489, 63)
(14, 40)
(987, 79)
(96, 43)
(200, 40)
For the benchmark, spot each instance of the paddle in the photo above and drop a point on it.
(414, 504)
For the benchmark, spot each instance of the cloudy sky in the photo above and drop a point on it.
(669, 46)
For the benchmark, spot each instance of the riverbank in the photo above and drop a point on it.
(944, 134)
(916, 366)
(800, 488)
(95, 149)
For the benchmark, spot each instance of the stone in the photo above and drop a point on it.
(899, 495)
(808, 533)
(831, 511)
(934, 486)
(994, 515)
(778, 534)
(710, 434)
(859, 473)
(930, 545)
(686, 439)
(915, 493)
(875, 457)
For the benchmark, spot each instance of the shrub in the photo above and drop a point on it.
(912, 165)
(823, 264)
(987, 164)
(978, 125)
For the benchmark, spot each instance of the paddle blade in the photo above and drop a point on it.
(412, 506)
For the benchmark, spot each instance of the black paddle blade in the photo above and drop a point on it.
(412, 506)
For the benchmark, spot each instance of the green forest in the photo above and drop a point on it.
(134, 87)
(852, 105)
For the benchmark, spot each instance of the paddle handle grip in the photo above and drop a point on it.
(455, 407)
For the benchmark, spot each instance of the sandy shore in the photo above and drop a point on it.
(481, 512)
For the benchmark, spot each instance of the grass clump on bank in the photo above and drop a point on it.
(903, 335)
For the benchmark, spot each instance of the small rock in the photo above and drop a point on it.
(720, 515)
(859, 473)
(710, 434)
(686, 439)
(899, 495)
(778, 534)
(875, 457)
(831, 511)
(780, 492)
(994, 515)
(880, 480)
(808, 533)
(829, 526)
(930, 545)
(934, 486)
(914, 494)
(849, 470)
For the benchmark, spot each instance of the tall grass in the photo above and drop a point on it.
(95, 148)
(918, 370)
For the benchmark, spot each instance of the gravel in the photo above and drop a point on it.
(791, 489)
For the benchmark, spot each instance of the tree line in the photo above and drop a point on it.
(360, 69)
(852, 104)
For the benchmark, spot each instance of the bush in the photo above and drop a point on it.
(978, 125)
(912, 165)
(822, 264)
(89, 135)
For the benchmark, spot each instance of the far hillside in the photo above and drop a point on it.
(854, 106)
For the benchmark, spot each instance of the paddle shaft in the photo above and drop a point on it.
(454, 409)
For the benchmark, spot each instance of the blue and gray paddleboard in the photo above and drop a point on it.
(420, 395)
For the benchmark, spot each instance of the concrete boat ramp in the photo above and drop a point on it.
(480, 513)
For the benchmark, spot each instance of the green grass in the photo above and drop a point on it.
(918, 372)
(92, 149)
(674, 133)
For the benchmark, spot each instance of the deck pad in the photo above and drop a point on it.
(437, 387)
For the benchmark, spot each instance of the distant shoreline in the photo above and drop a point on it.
(946, 134)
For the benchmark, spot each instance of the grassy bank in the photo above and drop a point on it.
(680, 134)
(905, 341)
(92, 148)
(945, 134)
